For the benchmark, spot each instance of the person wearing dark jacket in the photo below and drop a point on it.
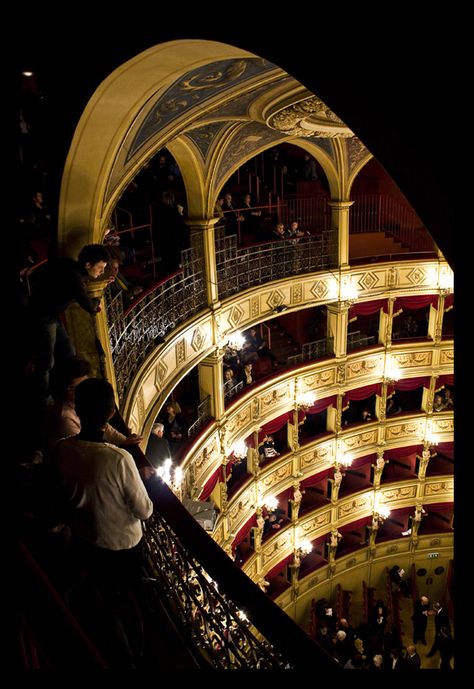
(62, 282)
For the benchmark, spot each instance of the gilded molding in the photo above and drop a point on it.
(410, 429)
(296, 293)
(414, 359)
(180, 349)
(365, 367)
(400, 493)
(443, 425)
(309, 117)
(141, 406)
(254, 307)
(275, 547)
(447, 356)
(274, 398)
(315, 522)
(359, 439)
(276, 298)
(320, 288)
(236, 315)
(439, 487)
(355, 505)
(341, 374)
(160, 374)
(369, 280)
(198, 339)
(277, 475)
(320, 379)
(239, 420)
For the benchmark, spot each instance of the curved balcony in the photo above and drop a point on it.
(260, 403)
(148, 374)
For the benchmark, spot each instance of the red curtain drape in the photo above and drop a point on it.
(439, 507)
(445, 380)
(210, 485)
(406, 384)
(367, 308)
(361, 393)
(449, 301)
(278, 568)
(274, 425)
(316, 478)
(321, 405)
(445, 449)
(415, 302)
(403, 452)
(362, 461)
(354, 526)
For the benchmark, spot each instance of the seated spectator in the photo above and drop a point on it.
(118, 283)
(247, 375)
(438, 403)
(273, 520)
(250, 218)
(61, 419)
(448, 399)
(295, 232)
(257, 344)
(158, 448)
(267, 448)
(231, 357)
(279, 232)
(366, 415)
(229, 379)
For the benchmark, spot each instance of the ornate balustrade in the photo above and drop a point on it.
(239, 269)
(158, 368)
(226, 620)
(312, 350)
(134, 333)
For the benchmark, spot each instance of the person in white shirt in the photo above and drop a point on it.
(105, 493)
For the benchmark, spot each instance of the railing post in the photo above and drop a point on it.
(340, 223)
(337, 326)
(205, 228)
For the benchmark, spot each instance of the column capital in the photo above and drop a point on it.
(341, 204)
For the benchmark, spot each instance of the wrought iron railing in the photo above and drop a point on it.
(203, 416)
(209, 599)
(231, 391)
(355, 340)
(208, 619)
(312, 350)
(136, 331)
(239, 269)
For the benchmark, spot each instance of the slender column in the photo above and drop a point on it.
(211, 382)
(378, 468)
(340, 222)
(205, 229)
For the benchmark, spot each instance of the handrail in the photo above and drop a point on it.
(292, 648)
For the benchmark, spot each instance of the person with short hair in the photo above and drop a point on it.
(158, 448)
(103, 489)
(62, 282)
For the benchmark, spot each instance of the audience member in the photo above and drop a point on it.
(104, 490)
(62, 282)
(158, 448)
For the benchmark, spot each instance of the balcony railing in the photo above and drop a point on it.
(203, 416)
(226, 621)
(312, 350)
(231, 391)
(356, 339)
(239, 269)
(135, 332)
